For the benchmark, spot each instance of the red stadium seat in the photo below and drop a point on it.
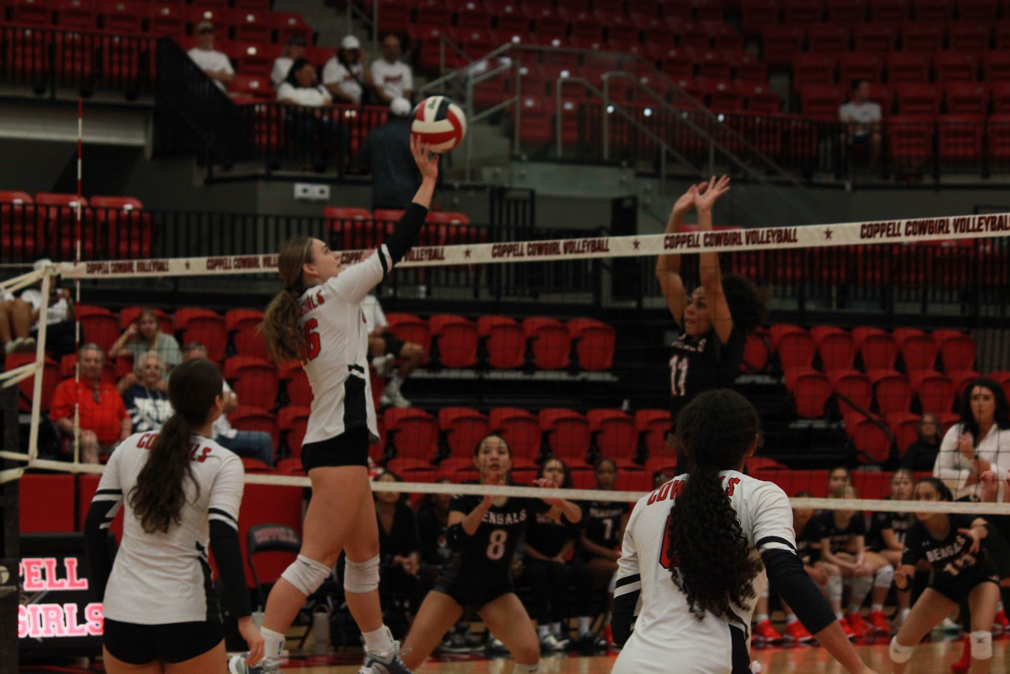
(921, 37)
(996, 65)
(550, 343)
(830, 38)
(835, 346)
(934, 390)
(821, 101)
(889, 11)
(876, 347)
(873, 38)
(268, 504)
(795, 348)
(46, 504)
(891, 391)
(755, 15)
(456, 339)
(253, 379)
(76, 14)
(846, 12)
(505, 341)
(961, 378)
(240, 319)
(960, 137)
(297, 387)
(413, 433)
(813, 69)
(870, 437)
(594, 343)
(1003, 378)
(811, 391)
(567, 434)
(802, 11)
(756, 353)
(956, 350)
(781, 44)
(905, 428)
(129, 230)
(855, 66)
(254, 419)
(289, 25)
(205, 327)
(908, 68)
(98, 325)
(293, 421)
(966, 99)
(854, 386)
(26, 387)
(464, 427)
(521, 430)
(615, 434)
(918, 351)
(1000, 102)
(410, 328)
(976, 10)
(911, 137)
(917, 99)
(968, 36)
(653, 425)
(250, 342)
(956, 66)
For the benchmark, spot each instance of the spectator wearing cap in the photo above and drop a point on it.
(213, 63)
(293, 51)
(392, 77)
(345, 74)
(386, 155)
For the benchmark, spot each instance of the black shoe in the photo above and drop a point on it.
(592, 643)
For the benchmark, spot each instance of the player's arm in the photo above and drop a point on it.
(668, 266)
(948, 465)
(595, 548)
(107, 501)
(462, 525)
(708, 262)
(828, 556)
(222, 513)
(628, 589)
(890, 540)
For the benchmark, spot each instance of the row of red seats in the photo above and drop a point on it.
(249, 20)
(822, 101)
(757, 15)
(901, 69)
(353, 228)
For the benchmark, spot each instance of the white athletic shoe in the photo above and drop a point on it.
(237, 665)
(394, 400)
(551, 644)
(391, 664)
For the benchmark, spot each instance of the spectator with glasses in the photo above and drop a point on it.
(147, 401)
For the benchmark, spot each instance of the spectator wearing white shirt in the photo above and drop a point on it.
(392, 77)
(391, 357)
(315, 131)
(293, 51)
(15, 321)
(213, 63)
(19, 318)
(863, 118)
(345, 74)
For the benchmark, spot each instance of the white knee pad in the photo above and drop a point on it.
(860, 586)
(981, 645)
(884, 576)
(361, 577)
(306, 574)
(900, 653)
(835, 588)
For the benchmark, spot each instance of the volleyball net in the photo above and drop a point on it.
(563, 347)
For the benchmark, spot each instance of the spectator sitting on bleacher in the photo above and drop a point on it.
(213, 63)
(863, 117)
(314, 132)
(386, 155)
(393, 78)
(838, 479)
(15, 322)
(921, 454)
(19, 318)
(399, 548)
(345, 74)
(104, 422)
(147, 400)
(251, 444)
(293, 51)
(142, 336)
(391, 357)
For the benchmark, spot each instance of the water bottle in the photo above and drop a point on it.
(321, 631)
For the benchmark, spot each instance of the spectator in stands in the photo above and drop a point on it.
(887, 539)
(863, 119)
(386, 155)
(294, 50)
(214, 64)
(104, 422)
(19, 318)
(251, 444)
(550, 569)
(838, 479)
(345, 74)
(715, 319)
(316, 132)
(391, 357)
(144, 335)
(399, 549)
(921, 454)
(147, 400)
(392, 77)
(15, 323)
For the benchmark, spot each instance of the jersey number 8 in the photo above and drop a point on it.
(496, 544)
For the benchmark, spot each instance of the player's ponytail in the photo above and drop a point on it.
(159, 495)
(285, 339)
(747, 303)
(710, 557)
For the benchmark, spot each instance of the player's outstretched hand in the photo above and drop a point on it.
(544, 483)
(709, 193)
(976, 543)
(685, 202)
(427, 161)
(253, 639)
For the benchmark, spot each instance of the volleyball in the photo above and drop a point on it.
(440, 123)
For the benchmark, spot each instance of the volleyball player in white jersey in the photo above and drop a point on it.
(317, 319)
(691, 572)
(181, 489)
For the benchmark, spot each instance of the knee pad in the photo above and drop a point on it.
(899, 653)
(361, 577)
(981, 645)
(306, 574)
(860, 587)
(884, 576)
(835, 587)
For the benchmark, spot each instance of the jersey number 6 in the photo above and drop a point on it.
(312, 346)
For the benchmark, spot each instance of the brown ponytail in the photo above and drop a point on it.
(159, 495)
(285, 339)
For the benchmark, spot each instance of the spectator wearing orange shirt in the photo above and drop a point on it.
(103, 418)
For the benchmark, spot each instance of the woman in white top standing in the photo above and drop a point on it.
(317, 318)
(182, 491)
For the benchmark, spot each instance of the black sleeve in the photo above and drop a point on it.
(228, 556)
(457, 536)
(791, 582)
(99, 546)
(626, 595)
(405, 233)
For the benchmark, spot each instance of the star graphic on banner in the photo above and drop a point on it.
(636, 243)
(827, 233)
(187, 265)
(466, 253)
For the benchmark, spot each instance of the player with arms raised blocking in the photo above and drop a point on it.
(317, 319)
(691, 573)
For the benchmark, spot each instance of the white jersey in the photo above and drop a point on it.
(165, 577)
(666, 631)
(336, 362)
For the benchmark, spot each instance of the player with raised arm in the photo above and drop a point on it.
(690, 573)
(317, 318)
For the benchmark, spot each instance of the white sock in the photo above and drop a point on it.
(876, 607)
(839, 615)
(791, 618)
(999, 607)
(606, 617)
(760, 618)
(273, 643)
(853, 608)
(528, 669)
(379, 642)
(904, 613)
(543, 630)
(583, 625)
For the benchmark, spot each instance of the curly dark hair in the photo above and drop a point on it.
(747, 303)
(1001, 416)
(712, 565)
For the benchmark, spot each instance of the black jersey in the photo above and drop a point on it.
(899, 523)
(841, 539)
(948, 555)
(548, 536)
(701, 363)
(434, 538)
(601, 521)
(486, 557)
(808, 543)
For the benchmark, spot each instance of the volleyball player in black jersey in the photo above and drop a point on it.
(887, 538)
(952, 544)
(484, 531)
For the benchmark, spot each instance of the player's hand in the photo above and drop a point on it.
(685, 202)
(427, 161)
(544, 483)
(900, 579)
(253, 639)
(976, 543)
(131, 331)
(990, 486)
(965, 446)
(709, 193)
(819, 575)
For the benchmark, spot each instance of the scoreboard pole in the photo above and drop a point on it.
(9, 548)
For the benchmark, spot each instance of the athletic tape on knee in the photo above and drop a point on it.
(361, 577)
(884, 576)
(835, 588)
(306, 574)
(860, 587)
(900, 653)
(981, 645)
